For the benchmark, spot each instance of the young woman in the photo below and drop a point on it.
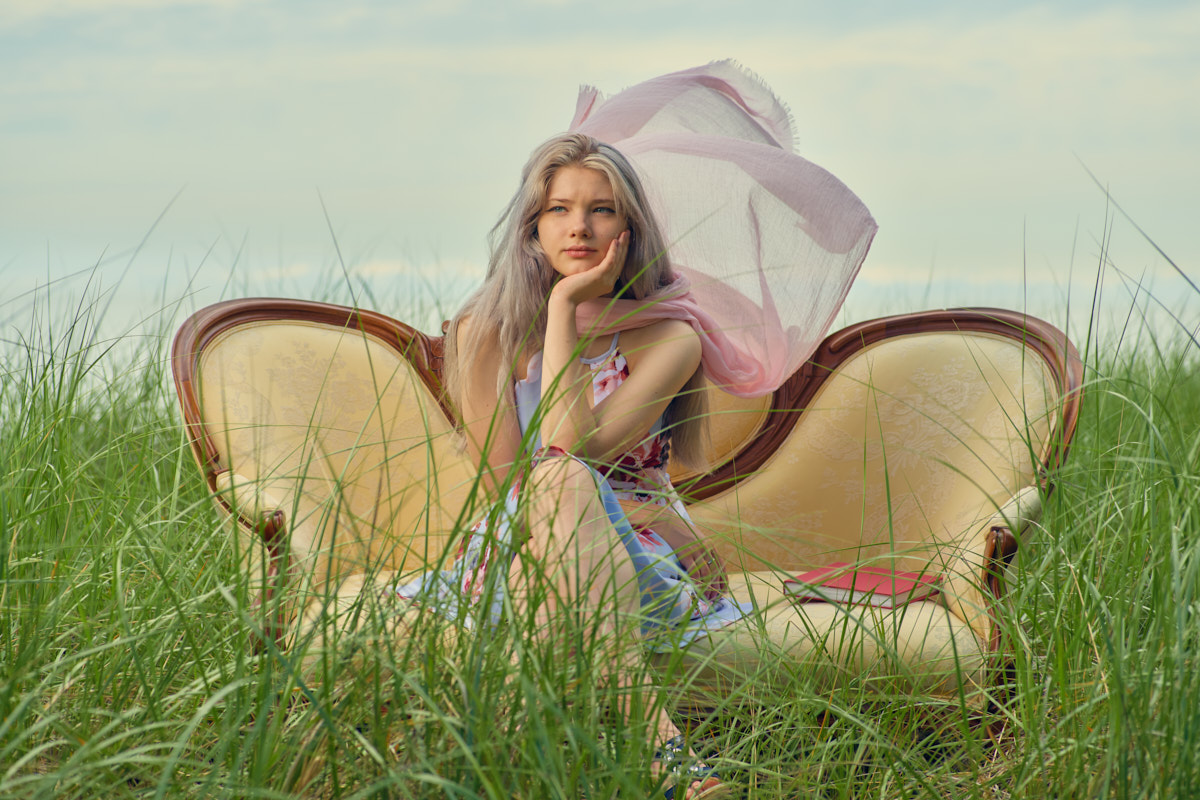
(576, 367)
(602, 409)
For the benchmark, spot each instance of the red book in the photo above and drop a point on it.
(876, 586)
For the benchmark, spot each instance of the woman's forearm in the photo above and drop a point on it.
(568, 418)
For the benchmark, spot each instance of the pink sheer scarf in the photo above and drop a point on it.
(765, 242)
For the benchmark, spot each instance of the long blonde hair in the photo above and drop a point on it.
(511, 304)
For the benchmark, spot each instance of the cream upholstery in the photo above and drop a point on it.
(734, 422)
(907, 454)
(920, 647)
(335, 428)
(901, 458)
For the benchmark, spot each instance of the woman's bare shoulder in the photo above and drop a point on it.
(463, 324)
(673, 339)
(466, 332)
(673, 331)
(486, 353)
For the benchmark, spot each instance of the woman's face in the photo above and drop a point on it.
(578, 220)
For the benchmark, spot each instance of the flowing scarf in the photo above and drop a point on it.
(765, 243)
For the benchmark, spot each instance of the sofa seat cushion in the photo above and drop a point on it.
(787, 646)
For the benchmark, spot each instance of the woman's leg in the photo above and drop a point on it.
(573, 549)
(582, 573)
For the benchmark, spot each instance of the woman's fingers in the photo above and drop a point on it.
(614, 261)
(714, 568)
(622, 252)
(707, 569)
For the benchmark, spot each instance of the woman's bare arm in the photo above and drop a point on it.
(489, 421)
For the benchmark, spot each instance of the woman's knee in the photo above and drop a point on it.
(565, 503)
(564, 471)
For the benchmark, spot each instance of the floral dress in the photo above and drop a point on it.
(674, 608)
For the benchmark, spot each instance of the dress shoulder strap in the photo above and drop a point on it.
(607, 354)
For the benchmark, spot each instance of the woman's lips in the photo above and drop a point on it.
(579, 252)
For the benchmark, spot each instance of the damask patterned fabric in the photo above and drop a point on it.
(901, 458)
(338, 427)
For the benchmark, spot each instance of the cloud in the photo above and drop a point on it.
(292, 271)
(376, 268)
(15, 12)
(1034, 44)
(392, 267)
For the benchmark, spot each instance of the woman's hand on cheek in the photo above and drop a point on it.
(600, 279)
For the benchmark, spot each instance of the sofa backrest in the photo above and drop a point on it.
(902, 443)
(334, 414)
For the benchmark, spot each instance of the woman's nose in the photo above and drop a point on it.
(580, 226)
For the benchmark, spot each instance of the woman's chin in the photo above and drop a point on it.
(573, 268)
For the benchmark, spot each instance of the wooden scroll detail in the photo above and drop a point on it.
(998, 552)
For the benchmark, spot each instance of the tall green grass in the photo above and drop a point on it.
(126, 668)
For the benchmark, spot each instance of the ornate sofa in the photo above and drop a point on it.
(924, 442)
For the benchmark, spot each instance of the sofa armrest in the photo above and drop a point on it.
(1006, 531)
(256, 509)
(263, 531)
(972, 591)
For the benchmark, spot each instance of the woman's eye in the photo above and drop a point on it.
(605, 210)
(555, 209)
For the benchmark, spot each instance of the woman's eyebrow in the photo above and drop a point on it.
(594, 200)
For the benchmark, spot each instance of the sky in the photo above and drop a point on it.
(168, 153)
